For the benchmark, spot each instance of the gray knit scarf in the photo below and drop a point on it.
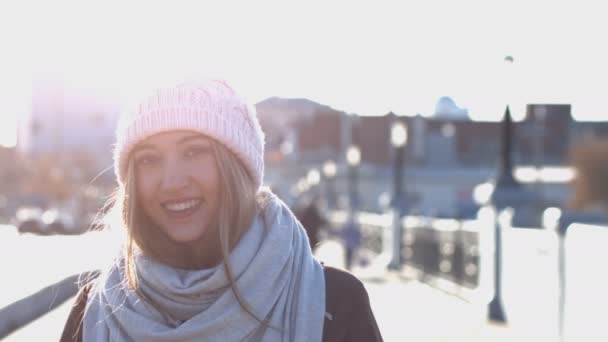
(276, 275)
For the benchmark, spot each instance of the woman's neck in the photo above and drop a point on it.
(200, 254)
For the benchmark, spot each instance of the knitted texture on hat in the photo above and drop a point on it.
(211, 107)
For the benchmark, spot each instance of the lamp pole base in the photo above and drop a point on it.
(394, 266)
(496, 312)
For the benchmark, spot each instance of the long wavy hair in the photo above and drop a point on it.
(239, 202)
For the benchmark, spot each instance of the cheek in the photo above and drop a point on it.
(207, 176)
(204, 169)
(214, 180)
(146, 185)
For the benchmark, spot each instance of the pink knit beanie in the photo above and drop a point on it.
(211, 107)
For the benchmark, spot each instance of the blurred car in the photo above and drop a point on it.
(29, 220)
(59, 222)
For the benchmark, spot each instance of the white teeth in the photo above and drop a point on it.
(182, 206)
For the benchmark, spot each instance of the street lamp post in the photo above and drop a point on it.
(329, 172)
(302, 185)
(502, 197)
(540, 113)
(353, 157)
(313, 177)
(398, 141)
(552, 220)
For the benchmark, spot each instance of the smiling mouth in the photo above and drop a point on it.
(183, 209)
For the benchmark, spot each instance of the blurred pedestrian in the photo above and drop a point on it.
(312, 219)
(209, 254)
(351, 238)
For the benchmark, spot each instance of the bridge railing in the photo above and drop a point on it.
(552, 278)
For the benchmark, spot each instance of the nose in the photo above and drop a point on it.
(175, 178)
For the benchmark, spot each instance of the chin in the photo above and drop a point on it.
(184, 233)
(185, 237)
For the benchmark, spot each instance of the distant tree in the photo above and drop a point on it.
(590, 161)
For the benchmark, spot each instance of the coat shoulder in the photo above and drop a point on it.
(348, 316)
(341, 283)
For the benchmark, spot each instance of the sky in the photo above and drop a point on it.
(366, 58)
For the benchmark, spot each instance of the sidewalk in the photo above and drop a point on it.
(408, 310)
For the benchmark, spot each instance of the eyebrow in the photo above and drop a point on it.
(141, 147)
(179, 142)
(191, 138)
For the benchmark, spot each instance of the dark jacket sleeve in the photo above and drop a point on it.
(363, 323)
(72, 331)
(349, 314)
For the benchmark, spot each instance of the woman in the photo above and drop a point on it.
(209, 255)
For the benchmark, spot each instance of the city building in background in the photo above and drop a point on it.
(71, 125)
(447, 155)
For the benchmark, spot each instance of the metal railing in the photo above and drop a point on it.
(433, 249)
(457, 256)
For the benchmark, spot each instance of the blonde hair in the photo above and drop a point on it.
(237, 208)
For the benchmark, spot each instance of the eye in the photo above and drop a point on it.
(195, 151)
(146, 160)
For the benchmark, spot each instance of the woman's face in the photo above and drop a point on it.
(178, 185)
